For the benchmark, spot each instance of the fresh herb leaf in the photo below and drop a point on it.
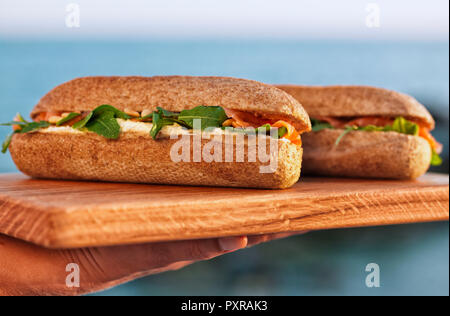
(436, 160)
(317, 125)
(167, 114)
(373, 128)
(68, 118)
(25, 127)
(97, 113)
(282, 131)
(158, 123)
(32, 127)
(404, 126)
(210, 116)
(347, 130)
(83, 122)
(12, 123)
(105, 124)
(6, 143)
(102, 121)
(264, 128)
(400, 125)
(109, 108)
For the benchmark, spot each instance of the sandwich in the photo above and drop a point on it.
(211, 131)
(366, 132)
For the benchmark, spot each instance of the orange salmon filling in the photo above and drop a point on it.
(241, 119)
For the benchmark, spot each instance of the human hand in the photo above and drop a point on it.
(26, 269)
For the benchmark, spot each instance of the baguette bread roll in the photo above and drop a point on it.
(366, 154)
(138, 158)
(361, 153)
(65, 153)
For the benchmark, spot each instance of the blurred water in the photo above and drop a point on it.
(413, 259)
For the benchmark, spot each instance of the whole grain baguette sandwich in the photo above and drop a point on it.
(168, 130)
(366, 132)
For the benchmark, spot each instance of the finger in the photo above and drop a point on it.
(258, 239)
(200, 249)
(159, 255)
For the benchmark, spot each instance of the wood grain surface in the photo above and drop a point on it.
(66, 214)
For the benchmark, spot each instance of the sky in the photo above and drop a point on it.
(298, 19)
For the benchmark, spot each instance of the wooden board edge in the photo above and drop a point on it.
(11, 213)
(56, 239)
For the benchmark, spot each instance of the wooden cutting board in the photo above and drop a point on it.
(65, 214)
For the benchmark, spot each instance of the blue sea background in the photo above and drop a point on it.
(414, 259)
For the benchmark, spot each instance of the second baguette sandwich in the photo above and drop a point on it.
(366, 132)
(128, 129)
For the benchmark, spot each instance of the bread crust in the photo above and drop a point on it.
(366, 154)
(357, 101)
(140, 159)
(174, 93)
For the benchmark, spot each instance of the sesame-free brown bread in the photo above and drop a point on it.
(174, 93)
(140, 159)
(358, 101)
(360, 153)
(365, 154)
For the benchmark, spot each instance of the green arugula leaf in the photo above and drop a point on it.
(158, 123)
(436, 160)
(146, 117)
(168, 117)
(25, 127)
(282, 131)
(105, 124)
(210, 116)
(13, 123)
(110, 108)
(167, 114)
(373, 128)
(317, 126)
(6, 143)
(103, 121)
(68, 118)
(347, 130)
(400, 125)
(83, 122)
(33, 126)
(267, 128)
(98, 112)
(264, 128)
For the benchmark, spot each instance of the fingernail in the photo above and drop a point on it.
(232, 243)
